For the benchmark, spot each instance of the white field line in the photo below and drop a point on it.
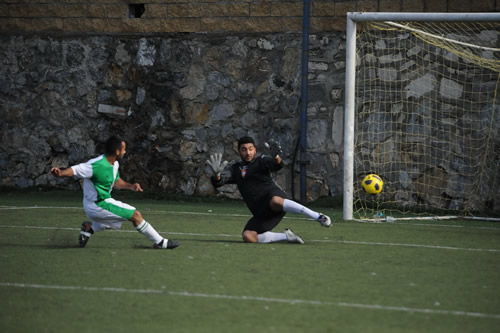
(411, 245)
(421, 246)
(257, 299)
(247, 215)
(145, 211)
(130, 231)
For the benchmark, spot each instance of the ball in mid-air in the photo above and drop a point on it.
(372, 184)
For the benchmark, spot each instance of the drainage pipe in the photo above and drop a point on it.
(304, 98)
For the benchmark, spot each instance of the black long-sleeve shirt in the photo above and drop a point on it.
(253, 180)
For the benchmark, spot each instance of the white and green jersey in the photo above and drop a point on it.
(98, 178)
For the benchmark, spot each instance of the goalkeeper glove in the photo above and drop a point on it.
(217, 164)
(274, 147)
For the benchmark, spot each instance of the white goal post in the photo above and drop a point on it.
(445, 99)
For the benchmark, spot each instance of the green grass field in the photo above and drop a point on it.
(414, 276)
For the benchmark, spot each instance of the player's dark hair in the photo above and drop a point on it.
(112, 144)
(244, 140)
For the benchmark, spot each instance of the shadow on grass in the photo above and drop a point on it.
(212, 240)
(184, 240)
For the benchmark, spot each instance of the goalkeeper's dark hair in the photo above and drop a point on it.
(244, 140)
(112, 144)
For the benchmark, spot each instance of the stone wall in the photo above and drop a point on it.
(178, 79)
(175, 100)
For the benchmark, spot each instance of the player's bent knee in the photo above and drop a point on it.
(277, 204)
(137, 218)
(250, 236)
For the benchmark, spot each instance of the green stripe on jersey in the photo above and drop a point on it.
(103, 178)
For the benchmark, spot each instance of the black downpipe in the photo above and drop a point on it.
(304, 98)
(292, 169)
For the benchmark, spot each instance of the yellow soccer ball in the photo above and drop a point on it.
(373, 184)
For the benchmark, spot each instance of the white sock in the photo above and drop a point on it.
(269, 237)
(147, 230)
(290, 206)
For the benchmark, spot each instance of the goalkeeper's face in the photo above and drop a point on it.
(247, 152)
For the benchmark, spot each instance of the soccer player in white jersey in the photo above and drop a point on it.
(100, 175)
(265, 199)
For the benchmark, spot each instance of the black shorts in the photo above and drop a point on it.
(264, 219)
(264, 223)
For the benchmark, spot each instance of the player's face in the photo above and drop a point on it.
(121, 151)
(247, 152)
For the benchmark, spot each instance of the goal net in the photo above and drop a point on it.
(423, 112)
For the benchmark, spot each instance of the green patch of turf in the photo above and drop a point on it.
(352, 277)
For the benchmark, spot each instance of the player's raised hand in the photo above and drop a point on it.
(215, 162)
(136, 187)
(274, 147)
(55, 171)
(62, 173)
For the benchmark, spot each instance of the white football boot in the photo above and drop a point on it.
(324, 220)
(293, 238)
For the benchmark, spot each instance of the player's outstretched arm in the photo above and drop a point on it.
(62, 173)
(123, 185)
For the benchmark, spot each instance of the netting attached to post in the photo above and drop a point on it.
(427, 118)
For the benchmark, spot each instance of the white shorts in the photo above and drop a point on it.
(105, 216)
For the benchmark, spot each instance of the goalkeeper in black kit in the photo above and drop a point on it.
(265, 199)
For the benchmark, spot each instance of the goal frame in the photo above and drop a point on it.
(350, 81)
